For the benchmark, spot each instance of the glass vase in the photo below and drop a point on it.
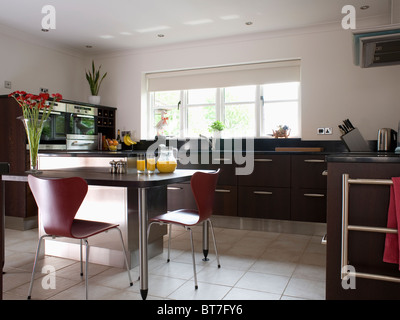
(33, 131)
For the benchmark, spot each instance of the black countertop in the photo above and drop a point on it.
(364, 157)
(378, 157)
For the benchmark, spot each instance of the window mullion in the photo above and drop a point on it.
(219, 105)
(258, 111)
(183, 114)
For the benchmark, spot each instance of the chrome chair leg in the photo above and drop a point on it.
(34, 265)
(194, 261)
(215, 243)
(126, 258)
(80, 254)
(86, 268)
(169, 241)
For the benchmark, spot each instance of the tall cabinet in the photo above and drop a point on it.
(21, 210)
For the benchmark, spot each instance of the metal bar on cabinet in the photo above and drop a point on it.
(346, 181)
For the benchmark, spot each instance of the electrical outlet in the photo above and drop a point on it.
(44, 90)
(7, 84)
(328, 130)
(321, 131)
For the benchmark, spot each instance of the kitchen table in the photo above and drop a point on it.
(131, 180)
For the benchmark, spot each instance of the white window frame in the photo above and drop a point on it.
(220, 111)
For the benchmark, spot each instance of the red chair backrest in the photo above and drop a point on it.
(58, 201)
(203, 188)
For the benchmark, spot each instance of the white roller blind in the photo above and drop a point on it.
(227, 76)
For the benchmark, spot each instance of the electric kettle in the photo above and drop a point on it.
(386, 139)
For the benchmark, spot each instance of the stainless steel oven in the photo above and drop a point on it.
(70, 126)
(82, 127)
(55, 128)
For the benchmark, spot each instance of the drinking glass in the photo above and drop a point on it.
(151, 163)
(141, 163)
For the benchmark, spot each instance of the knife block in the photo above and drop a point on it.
(354, 141)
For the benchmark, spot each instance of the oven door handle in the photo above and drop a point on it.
(83, 116)
(76, 143)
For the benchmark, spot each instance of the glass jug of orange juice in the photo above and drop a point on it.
(166, 161)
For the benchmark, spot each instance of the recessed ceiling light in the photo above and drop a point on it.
(231, 17)
(197, 22)
(152, 29)
(45, 30)
(88, 47)
(160, 35)
(106, 36)
(364, 7)
(249, 23)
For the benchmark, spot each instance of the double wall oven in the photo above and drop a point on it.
(70, 126)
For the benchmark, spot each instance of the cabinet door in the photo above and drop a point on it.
(270, 171)
(180, 196)
(225, 202)
(226, 175)
(307, 171)
(308, 205)
(266, 203)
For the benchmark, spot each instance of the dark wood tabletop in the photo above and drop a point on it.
(102, 176)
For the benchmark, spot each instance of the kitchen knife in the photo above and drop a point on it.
(345, 126)
(350, 124)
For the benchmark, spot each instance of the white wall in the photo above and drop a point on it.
(333, 89)
(33, 65)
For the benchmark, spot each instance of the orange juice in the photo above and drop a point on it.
(151, 164)
(166, 166)
(141, 165)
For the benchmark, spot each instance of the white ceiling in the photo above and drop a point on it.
(132, 24)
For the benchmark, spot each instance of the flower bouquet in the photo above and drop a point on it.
(35, 109)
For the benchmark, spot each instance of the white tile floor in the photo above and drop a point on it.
(255, 265)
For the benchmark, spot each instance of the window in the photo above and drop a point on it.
(280, 107)
(251, 100)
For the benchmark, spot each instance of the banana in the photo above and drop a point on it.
(128, 141)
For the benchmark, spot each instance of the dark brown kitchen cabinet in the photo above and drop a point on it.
(307, 171)
(265, 193)
(308, 188)
(225, 203)
(284, 187)
(264, 202)
(18, 199)
(368, 206)
(106, 118)
(308, 205)
(269, 171)
(180, 196)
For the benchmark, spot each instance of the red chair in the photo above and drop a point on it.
(203, 188)
(58, 201)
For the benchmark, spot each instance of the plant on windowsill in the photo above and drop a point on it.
(94, 83)
(215, 128)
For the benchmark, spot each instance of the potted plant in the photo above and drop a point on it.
(95, 81)
(215, 128)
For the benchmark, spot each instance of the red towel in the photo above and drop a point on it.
(391, 253)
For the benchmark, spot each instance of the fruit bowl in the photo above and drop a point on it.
(112, 148)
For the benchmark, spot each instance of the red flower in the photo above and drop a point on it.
(57, 96)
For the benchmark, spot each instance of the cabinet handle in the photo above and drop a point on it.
(222, 159)
(325, 173)
(174, 188)
(314, 160)
(222, 190)
(314, 195)
(262, 192)
(324, 239)
(263, 160)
